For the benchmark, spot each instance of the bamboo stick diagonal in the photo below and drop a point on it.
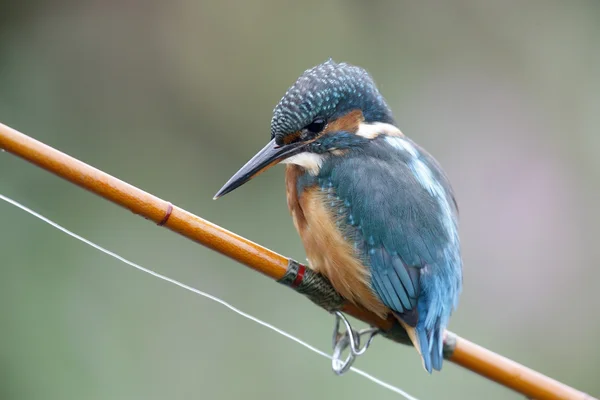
(458, 350)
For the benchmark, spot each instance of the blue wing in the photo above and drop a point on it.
(402, 217)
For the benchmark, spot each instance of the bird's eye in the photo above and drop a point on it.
(316, 126)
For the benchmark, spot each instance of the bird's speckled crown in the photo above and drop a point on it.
(329, 90)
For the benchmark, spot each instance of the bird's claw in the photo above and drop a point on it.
(348, 338)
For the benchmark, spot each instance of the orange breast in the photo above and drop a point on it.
(327, 251)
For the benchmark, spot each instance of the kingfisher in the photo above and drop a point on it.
(375, 211)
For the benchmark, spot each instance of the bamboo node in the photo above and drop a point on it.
(167, 214)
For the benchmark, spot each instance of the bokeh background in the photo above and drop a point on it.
(175, 96)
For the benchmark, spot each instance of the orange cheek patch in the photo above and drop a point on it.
(287, 139)
(348, 122)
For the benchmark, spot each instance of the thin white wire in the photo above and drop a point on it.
(204, 294)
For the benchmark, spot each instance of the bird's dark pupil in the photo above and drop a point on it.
(316, 126)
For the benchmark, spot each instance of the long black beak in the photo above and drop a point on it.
(270, 155)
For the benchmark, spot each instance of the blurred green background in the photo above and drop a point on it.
(174, 96)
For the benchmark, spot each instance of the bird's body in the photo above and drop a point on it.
(375, 212)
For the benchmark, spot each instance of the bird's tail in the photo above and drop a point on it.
(429, 343)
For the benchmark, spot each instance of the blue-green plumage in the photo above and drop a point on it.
(383, 195)
(405, 232)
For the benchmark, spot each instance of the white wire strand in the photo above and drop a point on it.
(203, 294)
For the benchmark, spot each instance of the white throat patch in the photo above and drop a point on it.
(309, 161)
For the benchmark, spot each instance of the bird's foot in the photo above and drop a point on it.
(349, 338)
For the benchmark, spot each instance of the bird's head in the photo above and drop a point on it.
(331, 109)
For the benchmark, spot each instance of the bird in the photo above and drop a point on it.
(375, 211)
